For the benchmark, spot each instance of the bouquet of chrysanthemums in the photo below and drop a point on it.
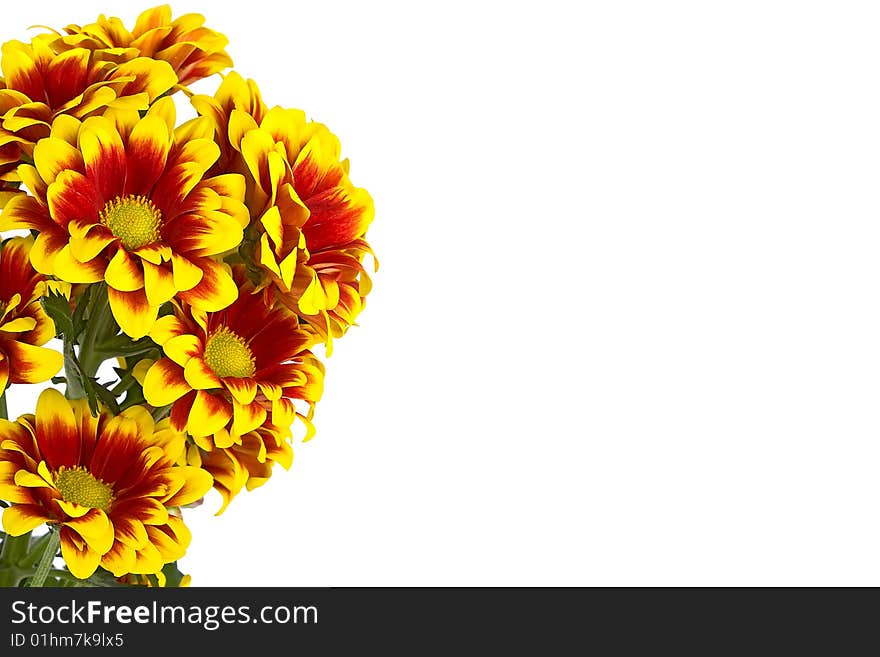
(200, 262)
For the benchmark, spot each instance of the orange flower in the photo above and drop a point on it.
(108, 483)
(125, 200)
(193, 50)
(24, 326)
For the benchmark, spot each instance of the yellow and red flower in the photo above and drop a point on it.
(193, 50)
(231, 372)
(24, 326)
(306, 239)
(40, 85)
(125, 200)
(107, 483)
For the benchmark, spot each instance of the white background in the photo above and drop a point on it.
(625, 330)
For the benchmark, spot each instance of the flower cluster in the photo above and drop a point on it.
(208, 257)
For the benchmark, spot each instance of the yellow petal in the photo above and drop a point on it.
(68, 268)
(19, 325)
(132, 312)
(164, 383)
(73, 509)
(158, 283)
(182, 348)
(19, 519)
(191, 484)
(208, 415)
(167, 327)
(186, 274)
(82, 561)
(199, 376)
(123, 272)
(30, 364)
(95, 528)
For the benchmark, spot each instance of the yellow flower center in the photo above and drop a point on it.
(133, 219)
(228, 355)
(80, 486)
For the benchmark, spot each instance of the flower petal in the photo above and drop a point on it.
(165, 328)
(81, 560)
(103, 155)
(124, 273)
(186, 274)
(132, 312)
(199, 376)
(190, 484)
(164, 383)
(158, 283)
(243, 390)
(247, 417)
(30, 364)
(69, 269)
(53, 155)
(19, 519)
(147, 152)
(209, 414)
(182, 348)
(90, 245)
(215, 291)
(57, 432)
(119, 560)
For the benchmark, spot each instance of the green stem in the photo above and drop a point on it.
(12, 552)
(4, 411)
(75, 389)
(39, 577)
(99, 328)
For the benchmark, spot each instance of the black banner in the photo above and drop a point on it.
(413, 620)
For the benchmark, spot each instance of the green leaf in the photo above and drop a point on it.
(82, 305)
(57, 307)
(105, 396)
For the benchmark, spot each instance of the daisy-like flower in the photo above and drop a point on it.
(306, 239)
(107, 483)
(193, 50)
(229, 373)
(125, 200)
(24, 326)
(40, 85)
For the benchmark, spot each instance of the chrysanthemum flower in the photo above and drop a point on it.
(308, 221)
(229, 373)
(24, 326)
(40, 85)
(193, 50)
(107, 483)
(125, 200)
